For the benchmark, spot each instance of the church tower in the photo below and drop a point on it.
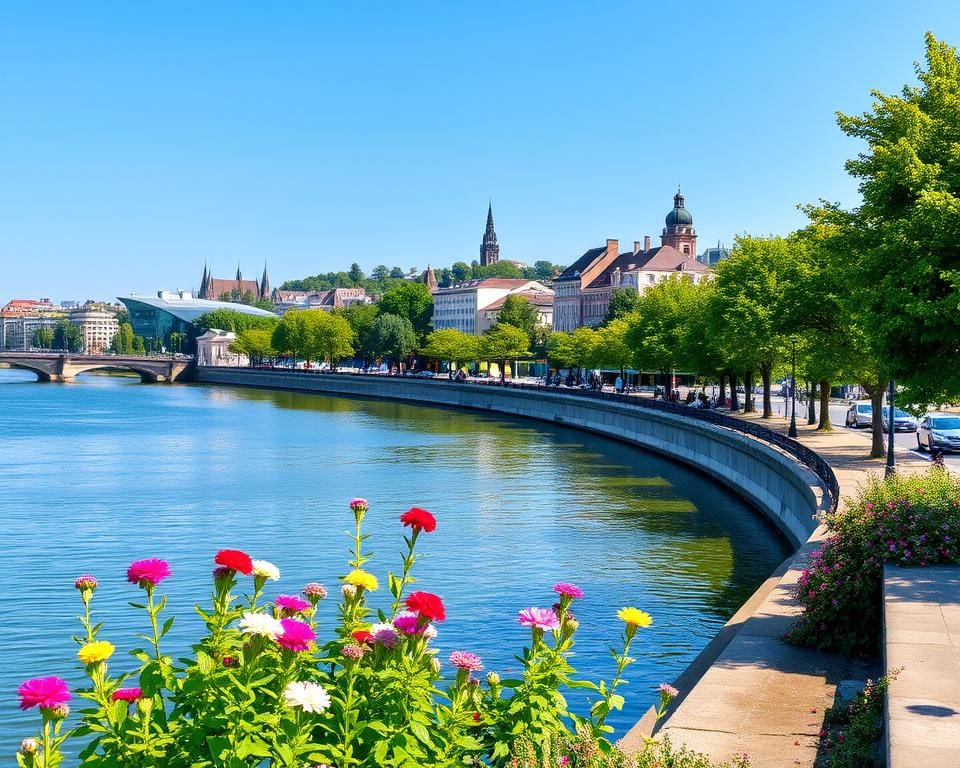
(204, 282)
(679, 231)
(489, 250)
(264, 283)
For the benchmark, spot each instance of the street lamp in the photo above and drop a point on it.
(891, 467)
(792, 432)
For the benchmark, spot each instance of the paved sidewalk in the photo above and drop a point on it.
(760, 695)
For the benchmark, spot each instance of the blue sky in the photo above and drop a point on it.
(139, 140)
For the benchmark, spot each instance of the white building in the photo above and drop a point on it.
(97, 329)
(16, 333)
(213, 348)
(461, 306)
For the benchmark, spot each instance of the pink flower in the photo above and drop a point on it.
(539, 618)
(407, 622)
(466, 660)
(291, 603)
(352, 651)
(315, 590)
(296, 635)
(126, 694)
(669, 690)
(44, 692)
(148, 572)
(568, 590)
(86, 582)
(358, 504)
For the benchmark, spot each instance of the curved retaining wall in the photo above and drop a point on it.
(784, 490)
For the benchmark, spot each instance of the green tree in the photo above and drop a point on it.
(623, 301)
(906, 233)
(396, 272)
(233, 320)
(452, 345)
(356, 274)
(333, 337)
(657, 331)
(255, 343)
(361, 318)
(412, 301)
(502, 343)
(294, 334)
(43, 338)
(521, 313)
(612, 350)
(380, 273)
(122, 342)
(461, 271)
(67, 336)
(139, 348)
(393, 337)
(544, 270)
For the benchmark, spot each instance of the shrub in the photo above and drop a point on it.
(851, 731)
(904, 519)
(259, 689)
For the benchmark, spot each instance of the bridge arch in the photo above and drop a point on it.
(65, 367)
(42, 375)
(146, 376)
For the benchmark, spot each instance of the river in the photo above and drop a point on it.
(96, 474)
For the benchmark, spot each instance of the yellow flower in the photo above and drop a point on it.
(362, 579)
(634, 617)
(100, 650)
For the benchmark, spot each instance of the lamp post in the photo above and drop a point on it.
(891, 467)
(792, 432)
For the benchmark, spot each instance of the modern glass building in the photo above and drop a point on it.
(156, 318)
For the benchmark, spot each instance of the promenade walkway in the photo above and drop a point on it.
(751, 692)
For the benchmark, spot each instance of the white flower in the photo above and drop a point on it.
(261, 624)
(266, 570)
(309, 697)
(348, 590)
(430, 632)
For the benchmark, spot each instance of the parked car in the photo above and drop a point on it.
(940, 431)
(902, 421)
(860, 414)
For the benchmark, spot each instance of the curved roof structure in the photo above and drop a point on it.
(186, 308)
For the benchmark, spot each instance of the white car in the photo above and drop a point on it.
(860, 414)
(940, 431)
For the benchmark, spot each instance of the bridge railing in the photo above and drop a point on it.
(809, 458)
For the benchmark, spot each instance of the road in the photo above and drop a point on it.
(905, 441)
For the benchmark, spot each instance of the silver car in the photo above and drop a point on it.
(940, 431)
(902, 421)
(860, 414)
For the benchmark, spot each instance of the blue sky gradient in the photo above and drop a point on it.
(141, 139)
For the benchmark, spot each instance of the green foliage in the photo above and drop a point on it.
(612, 349)
(452, 345)
(393, 337)
(904, 519)
(571, 350)
(852, 730)
(67, 336)
(255, 343)
(122, 342)
(313, 333)
(411, 301)
(371, 695)
(504, 342)
(623, 302)
(360, 317)
(333, 337)
(42, 338)
(521, 313)
(658, 328)
(905, 234)
(233, 320)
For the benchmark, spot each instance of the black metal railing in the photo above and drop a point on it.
(809, 458)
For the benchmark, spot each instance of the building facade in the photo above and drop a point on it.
(541, 300)
(460, 306)
(16, 333)
(583, 289)
(97, 329)
(335, 298)
(220, 289)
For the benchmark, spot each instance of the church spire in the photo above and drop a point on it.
(202, 294)
(239, 275)
(489, 250)
(264, 283)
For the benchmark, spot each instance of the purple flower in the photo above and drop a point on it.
(539, 618)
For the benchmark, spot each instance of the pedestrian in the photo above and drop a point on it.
(618, 385)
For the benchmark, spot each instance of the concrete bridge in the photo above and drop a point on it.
(64, 366)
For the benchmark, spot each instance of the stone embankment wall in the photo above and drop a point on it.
(784, 490)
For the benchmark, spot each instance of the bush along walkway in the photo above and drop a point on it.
(754, 692)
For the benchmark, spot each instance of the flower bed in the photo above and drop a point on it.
(905, 519)
(260, 688)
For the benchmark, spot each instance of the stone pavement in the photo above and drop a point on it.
(922, 639)
(751, 692)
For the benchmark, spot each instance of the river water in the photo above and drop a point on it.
(96, 474)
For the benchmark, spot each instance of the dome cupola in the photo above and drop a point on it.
(679, 216)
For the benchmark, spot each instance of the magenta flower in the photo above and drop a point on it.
(539, 618)
(44, 692)
(669, 690)
(148, 572)
(126, 694)
(408, 623)
(568, 590)
(466, 660)
(296, 635)
(357, 504)
(291, 603)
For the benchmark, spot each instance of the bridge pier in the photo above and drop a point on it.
(64, 368)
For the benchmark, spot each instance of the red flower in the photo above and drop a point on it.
(235, 560)
(362, 636)
(427, 605)
(126, 694)
(476, 717)
(419, 520)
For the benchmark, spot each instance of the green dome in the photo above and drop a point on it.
(679, 216)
